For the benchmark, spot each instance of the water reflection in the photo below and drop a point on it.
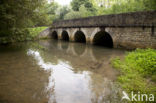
(78, 80)
(79, 49)
(64, 45)
(64, 85)
(59, 72)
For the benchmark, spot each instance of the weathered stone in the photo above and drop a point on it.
(128, 30)
(133, 19)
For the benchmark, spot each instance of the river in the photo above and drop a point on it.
(51, 71)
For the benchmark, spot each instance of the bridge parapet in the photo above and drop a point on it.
(133, 19)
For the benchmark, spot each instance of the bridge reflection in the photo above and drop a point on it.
(77, 76)
(82, 56)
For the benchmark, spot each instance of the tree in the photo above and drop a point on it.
(121, 6)
(50, 9)
(83, 12)
(72, 15)
(16, 15)
(61, 12)
(77, 3)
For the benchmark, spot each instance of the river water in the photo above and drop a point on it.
(53, 71)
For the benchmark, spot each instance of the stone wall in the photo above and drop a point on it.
(123, 37)
(114, 20)
(133, 37)
(127, 30)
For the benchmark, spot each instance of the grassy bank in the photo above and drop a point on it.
(33, 32)
(137, 71)
(19, 35)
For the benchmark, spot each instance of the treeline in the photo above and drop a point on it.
(18, 15)
(85, 8)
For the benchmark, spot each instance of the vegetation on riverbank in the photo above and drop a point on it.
(138, 71)
(16, 16)
(20, 35)
(33, 32)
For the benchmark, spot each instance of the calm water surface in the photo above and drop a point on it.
(58, 72)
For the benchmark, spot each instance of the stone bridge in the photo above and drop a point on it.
(127, 30)
(81, 51)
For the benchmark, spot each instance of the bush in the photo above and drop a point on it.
(138, 71)
(13, 35)
(19, 35)
(83, 12)
(33, 32)
(144, 61)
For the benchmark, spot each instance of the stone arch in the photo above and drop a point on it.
(65, 35)
(54, 35)
(103, 38)
(79, 36)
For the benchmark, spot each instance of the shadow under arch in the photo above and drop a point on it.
(79, 37)
(79, 49)
(54, 35)
(65, 35)
(103, 38)
(64, 45)
(101, 54)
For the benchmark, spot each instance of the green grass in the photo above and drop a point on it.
(33, 32)
(137, 71)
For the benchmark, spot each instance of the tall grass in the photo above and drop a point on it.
(138, 71)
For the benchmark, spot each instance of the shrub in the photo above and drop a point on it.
(137, 69)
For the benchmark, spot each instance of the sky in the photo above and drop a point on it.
(62, 2)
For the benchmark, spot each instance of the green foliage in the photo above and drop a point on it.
(51, 11)
(143, 60)
(61, 12)
(137, 69)
(72, 14)
(41, 18)
(122, 6)
(20, 35)
(102, 7)
(52, 7)
(16, 15)
(83, 12)
(14, 35)
(77, 3)
(33, 32)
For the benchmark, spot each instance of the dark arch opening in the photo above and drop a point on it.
(103, 38)
(54, 35)
(80, 37)
(65, 36)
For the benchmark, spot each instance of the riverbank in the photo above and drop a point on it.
(137, 71)
(34, 32)
(20, 35)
